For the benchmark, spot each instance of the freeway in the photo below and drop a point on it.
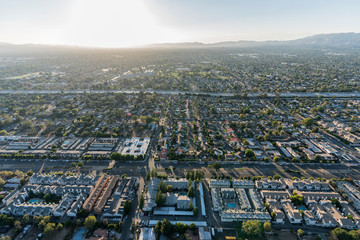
(174, 168)
(212, 94)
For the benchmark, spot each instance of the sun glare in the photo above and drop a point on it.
(115, 23)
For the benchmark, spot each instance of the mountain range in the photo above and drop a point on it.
(324, 40)
(337, 40)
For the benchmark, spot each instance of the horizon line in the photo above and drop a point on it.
(152, 45)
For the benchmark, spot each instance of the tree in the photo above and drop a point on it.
(169, 188)
(49, 228)
(267, 137)
(37, 219)
(148, 176)
(158, 227)
(297, 199)
(127, 207)
(196, 211)
(267, 226)
(27, 124)
(216, 166)
(339, 233)
(79, 222)
(166, 227)
(192, 227)
(5, 238)
(80, 164)
(119, 226)
(273, 215)
(17, 226)
(252, 228)
(4, 133)
(249, 153)
(73, 164)
(317, 158)
(43, 222)
(59, 227)
(336, 203)
(180, 228)
(25, 219)
(141, 201)
(354, 235)
(300, 232)
(276, 159)
(308, 122)
(2, 182)
(276, 177)
(82, 214)
(342, 234)
(153, 173)
(162, 186)
(115, 156)
(160, 198)
(48, 197)
(90, 222)
(191, 191)
(191, 206)
(22, 181)
(105, 222)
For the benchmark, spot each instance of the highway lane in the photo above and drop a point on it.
(212, 94)
(180, 168)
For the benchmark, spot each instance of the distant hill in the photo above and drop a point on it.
(334, 39)
(342, 40)
(325, 40)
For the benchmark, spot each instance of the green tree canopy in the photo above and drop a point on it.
(252, 228)
(127, 207)
(267, 226)
(308, 122)
(249, 153)
(166, 227)
(90, 222)
(191, 191)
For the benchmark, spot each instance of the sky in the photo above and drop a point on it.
(127, 23)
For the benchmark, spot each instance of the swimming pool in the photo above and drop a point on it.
(34, 200)
(80, 234)
(231, 205)
(302, 208)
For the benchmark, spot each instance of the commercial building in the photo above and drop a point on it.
(135, 146)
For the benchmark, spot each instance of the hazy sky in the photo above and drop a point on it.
(122, 23)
